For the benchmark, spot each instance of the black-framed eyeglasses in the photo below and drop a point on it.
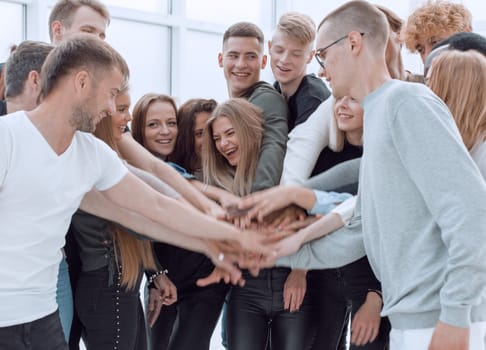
(320, 51)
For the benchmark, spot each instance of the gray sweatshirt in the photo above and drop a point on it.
(423, 212)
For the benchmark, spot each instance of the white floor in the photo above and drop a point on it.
(215, 339)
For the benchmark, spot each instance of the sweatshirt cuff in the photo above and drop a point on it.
(327, 201)
(346, 209)
(458, 316)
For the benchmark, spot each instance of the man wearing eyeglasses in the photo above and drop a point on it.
(422, 198)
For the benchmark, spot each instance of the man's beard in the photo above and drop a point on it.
(82, 119)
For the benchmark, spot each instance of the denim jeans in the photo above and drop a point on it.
(64, 298)
(42, 334)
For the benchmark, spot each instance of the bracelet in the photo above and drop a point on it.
(157, 274)
(377, 292)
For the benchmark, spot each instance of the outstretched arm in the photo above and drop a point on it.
(306, 142)
(132, 194)
(138, 156)
(263, 203)
(223, 197)
(97, 204)
(343, 177)
(325, 250)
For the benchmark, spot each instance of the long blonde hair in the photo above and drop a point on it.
(134, 254)
(247, 121)
(459, 79)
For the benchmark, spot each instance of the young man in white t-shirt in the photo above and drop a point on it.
(48, 161)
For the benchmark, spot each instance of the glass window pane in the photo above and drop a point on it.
(226, 12)
(12, 19)
(159, 6)
(477, 9)
(147, 55)
(201, 75)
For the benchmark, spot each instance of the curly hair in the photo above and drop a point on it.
(435, 20)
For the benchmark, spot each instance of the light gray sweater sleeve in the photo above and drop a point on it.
(337, 249)
(342, 177)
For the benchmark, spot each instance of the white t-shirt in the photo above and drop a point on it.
(39, 192)
(478, 153)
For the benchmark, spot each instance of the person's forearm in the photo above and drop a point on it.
(301, 196)
(343, 177)
(326, 251)
(97, 204)
(321, 227)
(154, 182)
(167, 211)
(217, 194)
(138, 156)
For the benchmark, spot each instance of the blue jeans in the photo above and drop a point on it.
(64, 298)
(42, 334)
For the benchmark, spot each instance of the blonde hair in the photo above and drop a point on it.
(459, 79)
(134, 254)
(247, 121)
(435, 19)
(298, 26)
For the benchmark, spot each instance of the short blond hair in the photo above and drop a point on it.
(297, 26)
(360, 16)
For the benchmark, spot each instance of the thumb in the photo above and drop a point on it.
(151, 305)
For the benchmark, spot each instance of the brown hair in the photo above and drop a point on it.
(247, 121)
(25, 58)
(82, 52)
(2, 81)
(184, 151)
(64, 10)
(360, 16)
(134, 254)
(245, 30)
(455, 78)
(393, 19)
(297, 26)
(435, 18)
(140, 110)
